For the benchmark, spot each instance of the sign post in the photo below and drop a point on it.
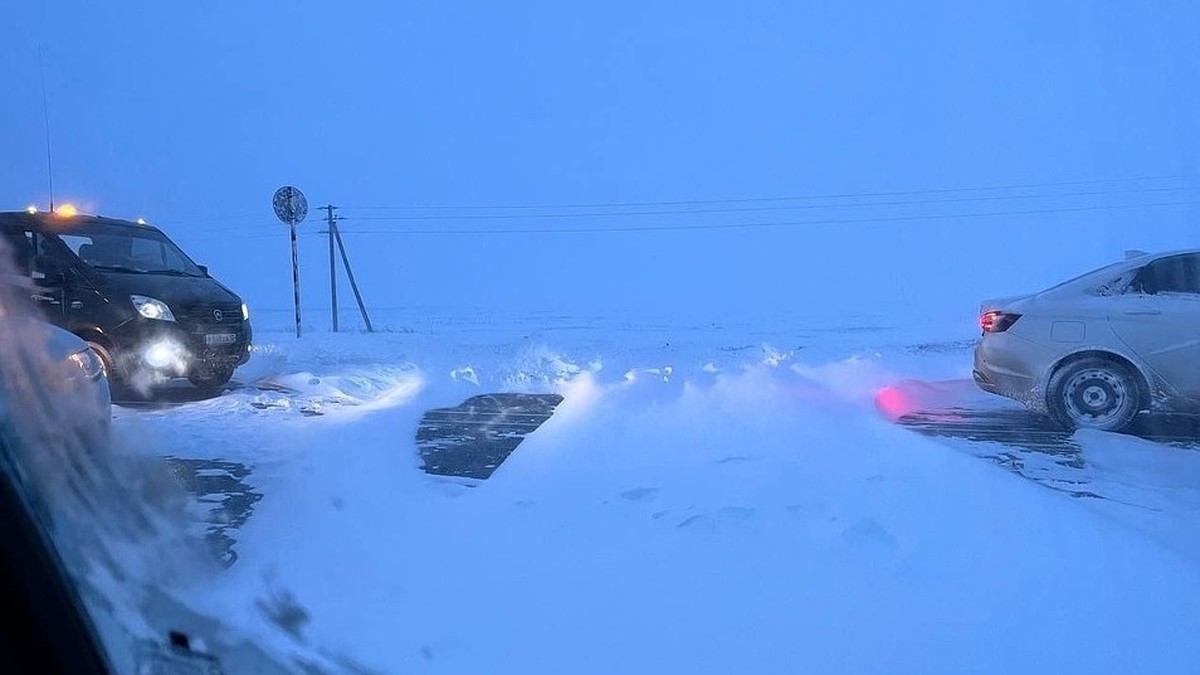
(292, 208)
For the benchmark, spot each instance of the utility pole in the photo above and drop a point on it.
(362, 308)
(331, 221)
(335, 242)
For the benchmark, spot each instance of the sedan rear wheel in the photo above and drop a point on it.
(1094, 393)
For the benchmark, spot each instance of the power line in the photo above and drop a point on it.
(742, 200)
(278, 234)
(210, 219)
(735, 226)
(867, 204)
(794, 207)
(245, 216)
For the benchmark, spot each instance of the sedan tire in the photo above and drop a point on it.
(1094, 393)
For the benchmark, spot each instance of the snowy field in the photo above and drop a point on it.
(740, 245)
(708, 498)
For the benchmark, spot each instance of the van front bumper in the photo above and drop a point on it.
(180, 348)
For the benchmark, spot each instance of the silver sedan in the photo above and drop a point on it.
(48, 371)
(1097, 350)
(83, 373)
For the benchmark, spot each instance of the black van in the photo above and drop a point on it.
(147, 310)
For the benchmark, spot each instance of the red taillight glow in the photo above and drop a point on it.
(996, 321)
(893, 403)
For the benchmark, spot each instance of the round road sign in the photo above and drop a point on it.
(290, 205)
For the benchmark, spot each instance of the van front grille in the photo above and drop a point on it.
(218, 315)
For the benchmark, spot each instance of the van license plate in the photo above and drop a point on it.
(214, 339)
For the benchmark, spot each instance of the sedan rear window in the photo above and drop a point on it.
(1176, 274)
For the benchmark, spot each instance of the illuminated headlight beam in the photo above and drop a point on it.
(166, 355)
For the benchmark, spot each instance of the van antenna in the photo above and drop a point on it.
(46, 117)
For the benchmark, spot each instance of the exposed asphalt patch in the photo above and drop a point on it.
(472, 439)
(1033, 447)
(1035, 432)
(951, 347)
(220, 487)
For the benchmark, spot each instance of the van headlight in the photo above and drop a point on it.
(245, 312)
(88, 362)
(166, 355)
(152, 308)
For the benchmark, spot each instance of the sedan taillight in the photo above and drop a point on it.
(996, 321)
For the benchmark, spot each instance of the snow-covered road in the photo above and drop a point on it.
(700, 501)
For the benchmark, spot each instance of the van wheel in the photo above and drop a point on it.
(1094, 393)
(213, 379)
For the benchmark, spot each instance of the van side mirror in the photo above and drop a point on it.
(203, 269)
(49, 270)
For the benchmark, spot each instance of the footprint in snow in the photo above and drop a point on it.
(735, 459)
(805, 511)
(699, 522)
(707, 522)
(640, 493)
(737, 512)
(869, 536)
(265, 404)
(266, 385)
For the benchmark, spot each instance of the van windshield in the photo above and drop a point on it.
(128, 249)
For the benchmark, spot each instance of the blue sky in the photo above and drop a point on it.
(191, 114)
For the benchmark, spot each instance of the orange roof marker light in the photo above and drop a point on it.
(67, 210)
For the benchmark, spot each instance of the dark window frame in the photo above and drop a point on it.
(1172, 274)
